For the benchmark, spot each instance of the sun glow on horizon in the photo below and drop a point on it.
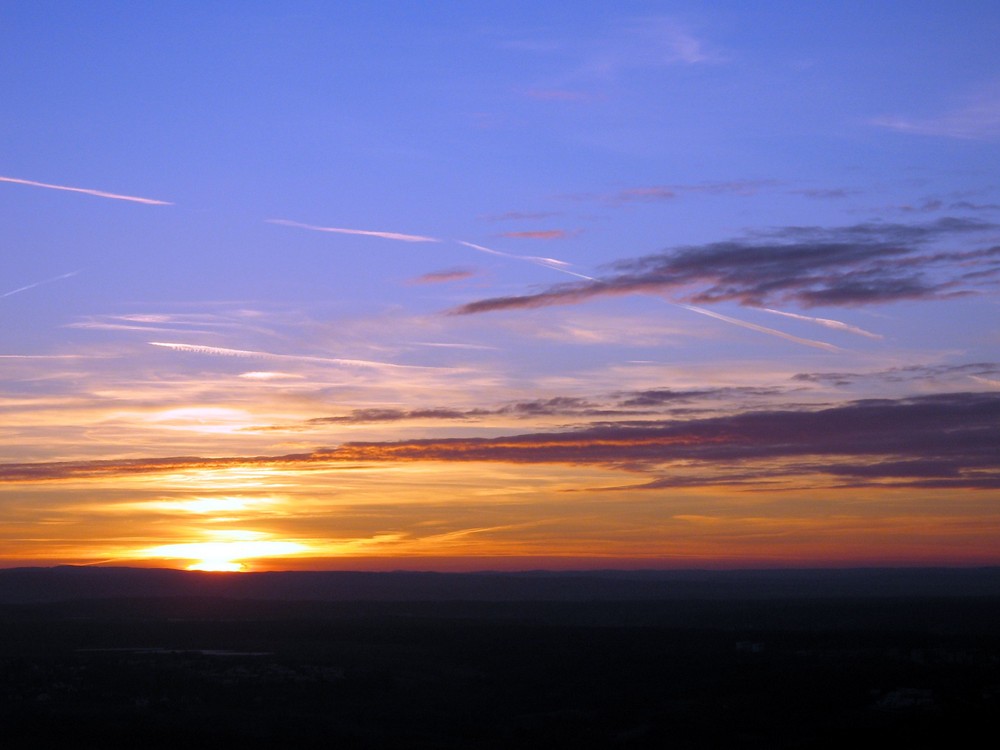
(228, 556)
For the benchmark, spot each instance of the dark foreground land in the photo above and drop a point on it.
(772, 660)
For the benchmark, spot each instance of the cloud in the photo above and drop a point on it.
(643, 195)
(38, 283)
(219, 351)
(372, 416)
(87, 191)
(651, 42)
(268, 375)
(977, 119)
(657, 193)
(364, 232)
(970, 206)
(979, 371)
(561, 406)
(854, 265)
(520, 216)
(626, 403)
(945, 440)
(455, 345)
(441, 277)
(543, 234)
(826, 193)
(656, 397)
(50, 356)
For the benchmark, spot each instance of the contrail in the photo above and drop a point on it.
(223, 352)
(558, 265)
(760, 329)
(98, 193)
(835, 324)
(561, 266)
(553, 263)
(38, 283)
(365, 232)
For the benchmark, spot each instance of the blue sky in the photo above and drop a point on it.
(238, 230)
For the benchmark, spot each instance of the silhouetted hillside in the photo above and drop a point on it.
(67, 583)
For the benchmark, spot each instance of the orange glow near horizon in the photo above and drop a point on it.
(469, 515)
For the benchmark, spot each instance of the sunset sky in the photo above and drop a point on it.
(499, 285)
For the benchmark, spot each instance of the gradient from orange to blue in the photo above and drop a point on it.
(499, 285)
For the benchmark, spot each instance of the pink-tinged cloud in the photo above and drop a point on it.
(364, 232)
(541, 234)
(87, 191)
(443, 277)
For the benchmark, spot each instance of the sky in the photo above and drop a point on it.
(499, 285)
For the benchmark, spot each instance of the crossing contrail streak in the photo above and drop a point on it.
(553, 263)
(87, 191)
(760, 329)
(364, 232)
(561, 266)
(834, 324)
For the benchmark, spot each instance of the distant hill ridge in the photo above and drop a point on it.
(70, 583)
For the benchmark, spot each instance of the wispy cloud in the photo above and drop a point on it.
(648, 194)
(219, 351)
(38, 283)
(520, 216)
(978, 371)
(826, 193)
(364, 232)
(977, 119)
(451, 345)
(540, 234)
(657, 193)
(558, 406)
(650, 42)
(268, 375)
(49, 356)
(87, 191)
(442, 277)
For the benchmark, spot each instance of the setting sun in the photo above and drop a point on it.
(228, 556)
